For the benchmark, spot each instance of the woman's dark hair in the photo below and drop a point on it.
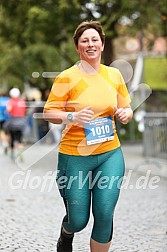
(88, 25)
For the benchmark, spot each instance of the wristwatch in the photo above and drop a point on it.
(70, 116)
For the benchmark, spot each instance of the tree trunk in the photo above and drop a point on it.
(108, 54)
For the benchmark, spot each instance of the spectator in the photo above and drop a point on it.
(17, 110)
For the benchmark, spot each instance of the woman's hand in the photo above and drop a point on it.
(83, 116)
(124, 115)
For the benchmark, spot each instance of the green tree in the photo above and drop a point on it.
(40, 32)
(37, 35)
(133, 15)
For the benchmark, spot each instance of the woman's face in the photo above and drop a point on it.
(90, 46)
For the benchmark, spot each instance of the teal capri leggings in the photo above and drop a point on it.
(86, 180)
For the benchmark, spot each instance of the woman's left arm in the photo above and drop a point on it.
(124, 114)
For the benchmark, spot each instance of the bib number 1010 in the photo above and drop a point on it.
(100, 130)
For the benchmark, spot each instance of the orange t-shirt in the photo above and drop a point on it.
(74, 90)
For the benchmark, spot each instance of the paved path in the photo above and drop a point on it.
(31, 208)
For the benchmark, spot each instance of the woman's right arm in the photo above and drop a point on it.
(55, 116)
(61, 117)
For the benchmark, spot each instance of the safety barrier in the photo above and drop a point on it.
(155, 135)
(31, 131)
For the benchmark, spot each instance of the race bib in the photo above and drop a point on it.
(99, 130)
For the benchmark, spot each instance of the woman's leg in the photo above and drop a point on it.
(20, 142)
(99, 247)
(73, 183)
(105, 195)
(12, 140)
(5, 140)
(76, 195)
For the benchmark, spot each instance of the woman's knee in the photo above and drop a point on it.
(104, 220)
(103, 226)
(81, 223)
(76, 224)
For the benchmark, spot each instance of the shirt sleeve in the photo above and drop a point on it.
(123, 97)
(59, 94)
